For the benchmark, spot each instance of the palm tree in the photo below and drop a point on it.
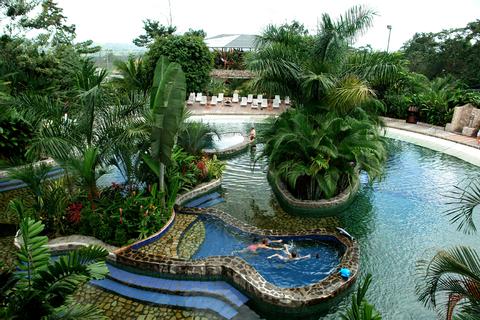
(288, 61)
(450, 281)
(133, 77)
(196, 136)
(41, 288)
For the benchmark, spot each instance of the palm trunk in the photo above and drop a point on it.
(161, 183)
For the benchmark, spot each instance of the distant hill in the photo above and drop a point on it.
(121, 48)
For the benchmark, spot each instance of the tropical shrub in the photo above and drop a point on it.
(318, 156)
(214, 168)
(40, 288)
(190, 52)
(119, 215)
(196, 136)
(15, 135)
(232, 59)
(360, 309)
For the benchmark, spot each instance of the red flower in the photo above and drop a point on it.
(74, 212)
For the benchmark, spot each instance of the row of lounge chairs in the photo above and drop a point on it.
(258, 102)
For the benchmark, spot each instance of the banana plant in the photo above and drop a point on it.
(167, 102)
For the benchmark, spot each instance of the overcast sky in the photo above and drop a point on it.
(120, 21)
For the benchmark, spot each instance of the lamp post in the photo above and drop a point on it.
(389, 27)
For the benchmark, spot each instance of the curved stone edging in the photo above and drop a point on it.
(230, 151)
(197, 191)
(244, 276)
(49, 161)
(71, 242)
(308, 207)
(150, 239)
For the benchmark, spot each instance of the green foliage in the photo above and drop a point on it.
(85, 170)
(41, 287)
(306, 67)
(120, 215)
(153, 29)
(232, 59)
(453, 51)
(214, 168)
(196, 136)
(360, 309)
(196, 33)
(190, 52)
(133, 75)
(319, 155)
(167, 102)
(15, 135)
(451, 281)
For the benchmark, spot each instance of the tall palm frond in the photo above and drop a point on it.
(464, 200)
(196, 136)
(450, 282)
(349, 93)
(133, 77)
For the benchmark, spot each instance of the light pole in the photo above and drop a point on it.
(389, 27)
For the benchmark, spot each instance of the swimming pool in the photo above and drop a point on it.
(397, 220)
(284, 274)
(226, 140)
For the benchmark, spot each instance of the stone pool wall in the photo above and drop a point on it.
(231, 151)
(235, 270)
(311, 207)
(198, 191)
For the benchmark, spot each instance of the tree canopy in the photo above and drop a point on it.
(451, 51)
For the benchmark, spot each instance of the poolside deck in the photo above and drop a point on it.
(235, 109)
(431, 130)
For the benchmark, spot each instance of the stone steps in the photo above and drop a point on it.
(216, 296)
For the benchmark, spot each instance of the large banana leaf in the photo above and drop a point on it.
(167, 102)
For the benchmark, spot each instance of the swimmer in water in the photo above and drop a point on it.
(289, 255)
(264, 244)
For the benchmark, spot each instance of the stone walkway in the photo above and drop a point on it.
(430, 130)
(167, 245)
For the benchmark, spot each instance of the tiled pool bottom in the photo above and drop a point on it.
(117, 307)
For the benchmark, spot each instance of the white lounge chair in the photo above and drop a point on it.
(276, 103)
(277, 97)
(203, 100)
(264, 103)
(250, 98)
(254, 104)
(235, 98)
(199, 97)
(191, 99)
(260, 97)
(287, 100)
(243, 103)
(220, 97)
(213, 102)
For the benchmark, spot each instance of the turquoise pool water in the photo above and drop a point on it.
(226, 140)
(397, 220)
(324, 255)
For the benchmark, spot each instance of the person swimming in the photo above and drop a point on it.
(288, 255)
(264, 244)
